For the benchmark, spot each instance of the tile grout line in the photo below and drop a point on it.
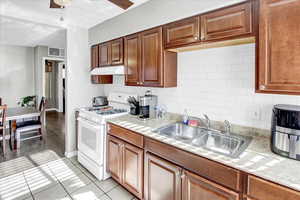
(27, 185)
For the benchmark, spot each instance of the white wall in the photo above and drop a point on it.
(79, 90)
(39, 53)
(16, 73)
(218, 81)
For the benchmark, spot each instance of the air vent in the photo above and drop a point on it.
(56, 52)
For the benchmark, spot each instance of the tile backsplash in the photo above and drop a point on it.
(218, 82)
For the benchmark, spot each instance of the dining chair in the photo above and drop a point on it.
(31, 129)
(3, 135)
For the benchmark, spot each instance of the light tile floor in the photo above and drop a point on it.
(61, 179)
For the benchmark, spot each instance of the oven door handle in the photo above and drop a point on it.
(89, 123)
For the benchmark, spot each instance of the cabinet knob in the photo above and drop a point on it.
(196, 38)
(262, 87)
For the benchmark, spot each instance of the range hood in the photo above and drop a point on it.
(111, 70)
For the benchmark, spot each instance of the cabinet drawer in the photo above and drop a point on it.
(264, 190)
(211, 170)
(126, 135)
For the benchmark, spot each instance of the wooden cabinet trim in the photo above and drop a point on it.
(126, 135)
(219, 173)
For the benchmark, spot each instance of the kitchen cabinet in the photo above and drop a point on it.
(117, 50)
(114, 152)
(181, 32)
(195, 187)
(104, 54)
(98, 79)
(125, 163)
(260, 189)
(146, 63)
(162, 179)
(132, 59)
(152, 55)
(227, 23)
(133, 164)
(278, 47)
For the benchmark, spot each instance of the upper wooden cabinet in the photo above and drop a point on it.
(96, 79)
(225, 23)
(111, 53)
(152, 58)
(182, 32)
(117, 52)
(146, 63)
(195, 187)
(104, 54)
(278, 69)
(162, 179)
(132, 59)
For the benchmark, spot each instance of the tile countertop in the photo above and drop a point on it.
(257, 159)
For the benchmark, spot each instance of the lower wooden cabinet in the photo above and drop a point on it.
(195, 187)
(125, 163)
(133, 169)
(114, 160)
(260, 189)
(162, 179)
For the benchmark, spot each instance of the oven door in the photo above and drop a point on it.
(91, 140)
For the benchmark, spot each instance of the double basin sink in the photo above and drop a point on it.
(228, 144)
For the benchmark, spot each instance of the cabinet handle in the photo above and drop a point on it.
(196, 38)
(262, 87)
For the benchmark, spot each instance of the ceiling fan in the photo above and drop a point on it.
(61, 3)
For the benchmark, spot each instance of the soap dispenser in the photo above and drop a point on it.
(185, 118)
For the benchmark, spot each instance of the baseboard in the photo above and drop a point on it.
(71, 154)
(51, 109)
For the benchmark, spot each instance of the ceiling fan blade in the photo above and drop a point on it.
(122, 3)
(54, 5)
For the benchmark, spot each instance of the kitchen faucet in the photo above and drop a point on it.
(206, 122)
(227, 127)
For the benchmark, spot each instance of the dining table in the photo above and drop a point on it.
(19, 113)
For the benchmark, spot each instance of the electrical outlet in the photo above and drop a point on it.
(256, 114)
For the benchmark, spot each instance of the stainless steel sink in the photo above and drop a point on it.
(231, 145)
(180, 131)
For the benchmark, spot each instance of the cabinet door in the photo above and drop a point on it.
(133, 169)
(117, 52)
(151, 68)
(132, 59)
(105, 54)
(162, 179)
(182, 32)
(114, 158)
(94, 62)
(279, 47)
(195, 187)
(230, 22)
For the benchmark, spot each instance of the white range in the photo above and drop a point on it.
(92, 133)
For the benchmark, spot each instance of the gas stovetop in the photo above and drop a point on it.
(111, 111)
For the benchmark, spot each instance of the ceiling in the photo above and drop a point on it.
(82, 13)
(32, 22)
(30, 34)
